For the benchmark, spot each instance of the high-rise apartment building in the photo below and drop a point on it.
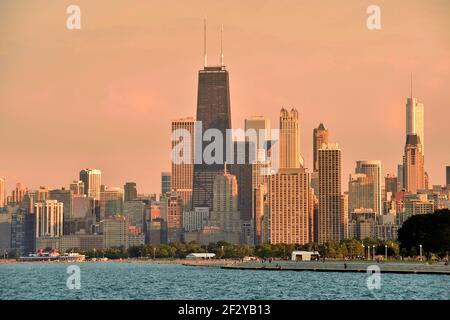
(289, 204)
(92, 179)
(183, 165)
(329, 213)
(413, 164)
(213, 110)
(373, 168)
(49, 218)
(320, 136)
(115, 232)
(290, 157)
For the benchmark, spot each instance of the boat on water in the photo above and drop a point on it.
(53, 256)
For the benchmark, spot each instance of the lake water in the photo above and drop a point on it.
(158, 281)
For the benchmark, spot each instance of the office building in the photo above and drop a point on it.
(2, 192)
(413, 165)
(92, 179)
(213, 112)
(130, 191)
(372, 168)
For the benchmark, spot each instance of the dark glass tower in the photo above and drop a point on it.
(213, 110)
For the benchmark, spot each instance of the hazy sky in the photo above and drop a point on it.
(103, 96)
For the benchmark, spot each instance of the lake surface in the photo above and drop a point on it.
(158, 281)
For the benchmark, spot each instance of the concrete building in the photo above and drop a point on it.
(329, 213)
(195, 220)
(289, 204)
(417, 204)
(183, 164)
(362, 224)
(49, 218)
(5, 231)
(17, 194)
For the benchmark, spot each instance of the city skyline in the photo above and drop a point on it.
(130, 101)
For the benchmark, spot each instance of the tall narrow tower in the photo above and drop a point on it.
(415, 118)
(320, 136)
(213, 110)
(290, 157)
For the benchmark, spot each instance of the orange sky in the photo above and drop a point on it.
(103, 96)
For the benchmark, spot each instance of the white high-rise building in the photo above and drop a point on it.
(415, 119)
(49, 218)
(92, 179)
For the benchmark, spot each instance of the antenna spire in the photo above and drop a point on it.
(221, 46)
(204, 43)
(411, 87)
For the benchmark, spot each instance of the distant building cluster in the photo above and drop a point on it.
(233, 201)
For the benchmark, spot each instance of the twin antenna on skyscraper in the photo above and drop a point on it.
(204, 44)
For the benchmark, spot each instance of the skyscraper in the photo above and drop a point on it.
(320, 136)
(92, 179)
(290, 156)
(413, 164)
(390, 184)
(329, 213)
(183, 173)
(2, 192)
(166, 182)
(372, 168)
(111, 201)
(77, 187)
(415, 118)
(18, 193)
(361, 192)
(49, 218)
(289, 205)
(213, 110)
(130, 191)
